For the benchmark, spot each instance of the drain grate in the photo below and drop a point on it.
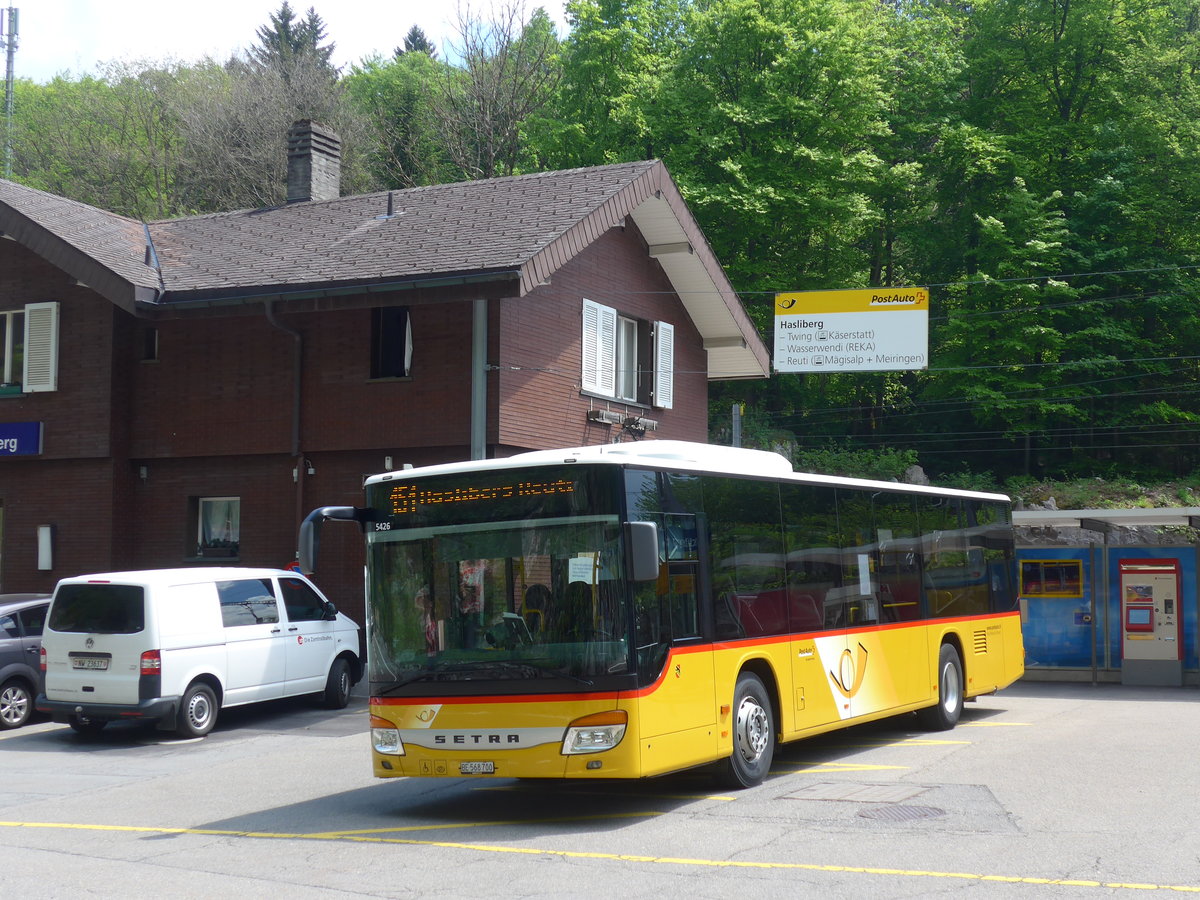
(897, 813)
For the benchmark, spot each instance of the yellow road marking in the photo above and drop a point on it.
(360, 837)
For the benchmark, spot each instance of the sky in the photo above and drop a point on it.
(56, 36)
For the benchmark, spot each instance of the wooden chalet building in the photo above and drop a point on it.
(183, 392)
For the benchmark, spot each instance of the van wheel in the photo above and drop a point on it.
(753, 735)
(943, 715)
(197, 712)
(85, 726)
(16, 704)
(337, 685)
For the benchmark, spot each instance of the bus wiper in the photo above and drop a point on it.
(464, 671)
(527, 670)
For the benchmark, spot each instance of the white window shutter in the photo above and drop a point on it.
(664, 364)
(599, 348)
(41, 347)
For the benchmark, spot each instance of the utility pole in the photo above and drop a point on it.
(8, 40)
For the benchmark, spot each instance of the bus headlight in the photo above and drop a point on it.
(385, 737)
(595, 733)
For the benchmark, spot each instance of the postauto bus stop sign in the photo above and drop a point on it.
(863, 330)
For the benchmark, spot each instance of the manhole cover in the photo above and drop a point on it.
(901, 813)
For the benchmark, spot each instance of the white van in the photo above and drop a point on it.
(173, 646)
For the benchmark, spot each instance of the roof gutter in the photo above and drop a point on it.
(387, 287)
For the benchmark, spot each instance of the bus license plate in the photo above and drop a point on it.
(89, 662)
(477, 768)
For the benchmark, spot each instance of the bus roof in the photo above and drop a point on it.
(674, 456)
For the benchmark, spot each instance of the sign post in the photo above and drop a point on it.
(864, 330)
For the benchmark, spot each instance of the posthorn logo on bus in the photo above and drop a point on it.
(852, 670)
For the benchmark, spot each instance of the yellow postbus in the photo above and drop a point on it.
(628, 610)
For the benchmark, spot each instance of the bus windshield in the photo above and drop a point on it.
(528, 598)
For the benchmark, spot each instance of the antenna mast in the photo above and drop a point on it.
(8, 40)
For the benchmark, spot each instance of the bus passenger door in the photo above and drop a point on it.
(677, 714)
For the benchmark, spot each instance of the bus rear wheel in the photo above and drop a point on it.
(753, 735)
(944, 714)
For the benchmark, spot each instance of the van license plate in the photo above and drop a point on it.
(477, 768)
(89, 662)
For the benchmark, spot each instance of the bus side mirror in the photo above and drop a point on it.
(310, 532)
(643, 550)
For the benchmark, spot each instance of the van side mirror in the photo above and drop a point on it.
(330, 611)
(642, 540)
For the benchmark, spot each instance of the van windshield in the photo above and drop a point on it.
(98, 609)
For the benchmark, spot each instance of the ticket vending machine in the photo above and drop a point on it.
(1151, 623)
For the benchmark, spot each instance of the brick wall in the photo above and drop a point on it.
(541, 405)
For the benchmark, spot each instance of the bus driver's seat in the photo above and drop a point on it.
(533, 606)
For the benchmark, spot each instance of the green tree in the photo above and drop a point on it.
(110, 140)
(397, 100)
(615, 58)
(416, 42)
(508, 73)
(286, 40)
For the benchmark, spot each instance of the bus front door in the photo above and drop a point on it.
(677, 713)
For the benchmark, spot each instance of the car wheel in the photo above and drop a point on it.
(753, 735)
(16, 704)
(337, 685)
(85, 726)
(197, 711)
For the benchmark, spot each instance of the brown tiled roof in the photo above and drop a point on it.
(102, 249)
(522, 228)
(499, 224)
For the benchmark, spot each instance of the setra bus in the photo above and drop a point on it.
(628, 610)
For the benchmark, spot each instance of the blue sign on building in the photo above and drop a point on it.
(20, 438)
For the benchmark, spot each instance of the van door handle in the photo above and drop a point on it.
(275, 630)
(294, 628)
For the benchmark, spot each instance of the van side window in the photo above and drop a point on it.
(302, 602)
(8, 625)
(247, 602)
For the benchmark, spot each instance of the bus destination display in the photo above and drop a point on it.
(406, 499)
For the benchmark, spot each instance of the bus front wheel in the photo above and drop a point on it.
(753, 735)
(943, 715)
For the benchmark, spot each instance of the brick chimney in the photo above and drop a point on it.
(314, 163)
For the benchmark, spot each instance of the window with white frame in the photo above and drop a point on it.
(12, 345)
(219, 528)
(626, 358)
(29, 345)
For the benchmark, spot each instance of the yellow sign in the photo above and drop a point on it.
(861, 330)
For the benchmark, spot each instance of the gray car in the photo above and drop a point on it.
(21, 619)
